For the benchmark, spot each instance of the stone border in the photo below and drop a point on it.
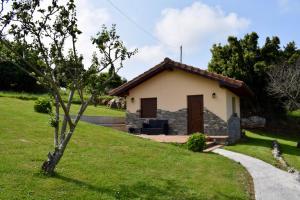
(277, 154)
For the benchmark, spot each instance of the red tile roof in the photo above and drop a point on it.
(236, 86)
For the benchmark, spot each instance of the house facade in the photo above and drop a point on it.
(191, 99)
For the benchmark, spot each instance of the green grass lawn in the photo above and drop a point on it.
(34, 96)
(102, 163)
(258, 144)
(91, 110)
(21, 95)
(294, 114)
(98, 111)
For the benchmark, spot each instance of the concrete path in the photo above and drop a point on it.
(270, 183)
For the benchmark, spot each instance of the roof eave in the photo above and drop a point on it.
(239, 88)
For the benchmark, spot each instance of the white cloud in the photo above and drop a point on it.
(196, 27)
(148, 54)
(196, 24)
(147, 57)
(90, 21)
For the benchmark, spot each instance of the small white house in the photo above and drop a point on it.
(191, 99)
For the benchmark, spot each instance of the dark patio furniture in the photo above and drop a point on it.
(134, 130)
(155, 127)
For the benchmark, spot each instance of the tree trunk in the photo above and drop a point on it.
(49, 165)
(56, 128)
(64, 122)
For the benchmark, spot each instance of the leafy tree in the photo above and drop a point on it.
(14, 78)
(243, 59)
(291, 53)
(47, 29)
(115, 82)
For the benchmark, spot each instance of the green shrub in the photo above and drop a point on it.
(43, 105)
(196, 142)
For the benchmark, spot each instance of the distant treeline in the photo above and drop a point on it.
(12, 78)
(245, 60)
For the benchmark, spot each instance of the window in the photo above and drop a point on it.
(148, 107)
(233, 105)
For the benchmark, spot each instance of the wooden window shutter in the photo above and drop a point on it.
(148, 107)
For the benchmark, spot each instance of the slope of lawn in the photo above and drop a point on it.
(98, 111)
(21, 95)
(91, 110)
(258, 144)
(34, 96)
(101, 163)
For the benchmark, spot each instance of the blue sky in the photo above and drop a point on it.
(195, 24)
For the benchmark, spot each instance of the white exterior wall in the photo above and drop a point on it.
(171, 89)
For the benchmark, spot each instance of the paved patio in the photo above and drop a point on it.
(166, 138)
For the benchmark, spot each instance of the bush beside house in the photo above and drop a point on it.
(196, 142)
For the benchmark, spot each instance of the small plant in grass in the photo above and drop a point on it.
(43, 105)
(196, 142)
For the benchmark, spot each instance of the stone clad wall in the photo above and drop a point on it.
(213, 125)
(177, 120)
(234, 128)
(134, 120)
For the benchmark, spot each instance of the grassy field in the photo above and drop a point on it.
(98, 111)
(102, 163)
(258, 144)
(34, 96)
(295, 113)
(91, 110)
(21, 95)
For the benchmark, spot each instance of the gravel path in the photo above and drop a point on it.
(270, 183)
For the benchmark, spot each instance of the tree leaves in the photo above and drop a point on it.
(243, 59)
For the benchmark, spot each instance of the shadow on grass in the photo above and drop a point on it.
(267, 142)
(290, 150)
(140, 189)
(283, 136)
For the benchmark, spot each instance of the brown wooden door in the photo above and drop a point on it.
(195, 114)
